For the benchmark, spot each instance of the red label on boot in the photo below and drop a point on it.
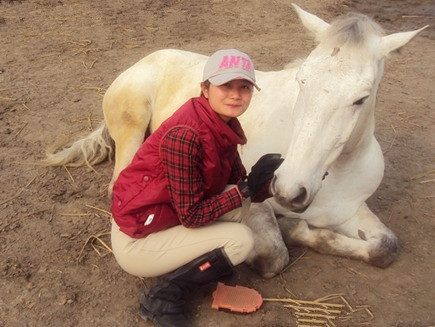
(205, 266)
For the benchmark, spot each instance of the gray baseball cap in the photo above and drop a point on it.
(225, 65)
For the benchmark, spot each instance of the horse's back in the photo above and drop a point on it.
(160, 82)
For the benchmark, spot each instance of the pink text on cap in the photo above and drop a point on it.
(234, 61)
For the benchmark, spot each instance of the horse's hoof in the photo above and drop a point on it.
(386, 252)
(268, 266)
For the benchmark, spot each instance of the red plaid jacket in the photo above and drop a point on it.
(179, 173)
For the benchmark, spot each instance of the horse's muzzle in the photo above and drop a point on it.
(298, 202)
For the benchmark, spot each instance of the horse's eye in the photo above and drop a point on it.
(360, 101)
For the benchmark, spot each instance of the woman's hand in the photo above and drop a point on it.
(257, 186)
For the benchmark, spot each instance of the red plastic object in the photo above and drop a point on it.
(236, 298)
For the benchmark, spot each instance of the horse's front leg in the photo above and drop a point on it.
(270, 255)
(363, 237)
(382, 244)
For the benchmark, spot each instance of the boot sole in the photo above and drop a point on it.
(147, 316)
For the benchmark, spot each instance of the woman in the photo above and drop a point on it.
(177, 207)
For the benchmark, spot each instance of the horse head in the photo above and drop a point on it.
(333, 117)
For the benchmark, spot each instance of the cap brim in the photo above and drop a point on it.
(224, 78)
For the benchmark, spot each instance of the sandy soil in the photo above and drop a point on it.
(58, 57)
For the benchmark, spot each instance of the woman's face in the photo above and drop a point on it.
(229, 100)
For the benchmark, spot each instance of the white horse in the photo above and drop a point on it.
(318, 113)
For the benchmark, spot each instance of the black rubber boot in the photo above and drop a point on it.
(164, 303)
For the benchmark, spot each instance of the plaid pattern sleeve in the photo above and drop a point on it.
(181, 150)
(238, 171)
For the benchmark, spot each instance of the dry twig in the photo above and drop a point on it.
(394, 139)
(102, 245)
(105, 212)
(21, 129)
(69, 174)
(76, 214)
(321, 312)
(19, 192)
(424, 174)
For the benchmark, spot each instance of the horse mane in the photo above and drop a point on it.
(353, 29)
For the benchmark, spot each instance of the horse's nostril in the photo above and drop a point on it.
(301, 196)
(272, 185)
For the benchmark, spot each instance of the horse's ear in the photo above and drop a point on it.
(395, 41)
(313, 23)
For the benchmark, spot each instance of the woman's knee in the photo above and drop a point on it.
(242, 245)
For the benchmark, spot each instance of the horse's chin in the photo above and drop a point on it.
(291, 206)
(299, 210)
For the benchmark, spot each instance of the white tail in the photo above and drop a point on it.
(90, 150)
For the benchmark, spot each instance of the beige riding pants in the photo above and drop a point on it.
(169, 249)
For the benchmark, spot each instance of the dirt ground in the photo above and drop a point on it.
(56, 60)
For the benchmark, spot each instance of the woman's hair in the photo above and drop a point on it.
(206, 85)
